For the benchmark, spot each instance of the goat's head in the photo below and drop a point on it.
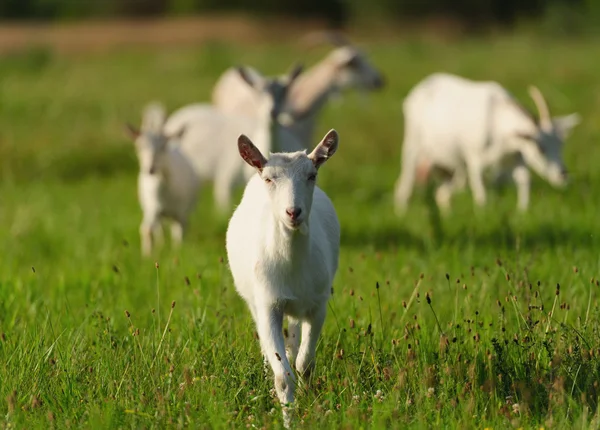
(289, 178)
(542, 147)
(272, 92)
(353, 68)
(151, 143)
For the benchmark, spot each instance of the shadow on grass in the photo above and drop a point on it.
(503, 235)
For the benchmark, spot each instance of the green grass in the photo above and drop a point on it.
(498, 346)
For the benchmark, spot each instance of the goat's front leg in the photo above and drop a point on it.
(475, 173)
(311, 330)
(269, 323)
(149, 227)
(177, 231)
(522, 179)
(223, 188)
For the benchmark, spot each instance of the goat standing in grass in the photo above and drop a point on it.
(464, 127)
(167, 184)
(283, 246)
(209, 133)
(344, 67)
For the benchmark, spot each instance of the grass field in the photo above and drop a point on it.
(456, 322)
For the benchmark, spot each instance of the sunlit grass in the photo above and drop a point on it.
(455, 323)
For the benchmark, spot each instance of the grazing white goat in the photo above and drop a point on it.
(283, 246)
(209, 133)
(167, 184)
(463, 127)
(345, 67)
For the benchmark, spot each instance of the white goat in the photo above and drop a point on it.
(167, 184)
(209, 133)
(345, 67)
(283, 247)
(463, 127)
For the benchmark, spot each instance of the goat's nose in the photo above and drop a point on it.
(152, 170)
(293, 213)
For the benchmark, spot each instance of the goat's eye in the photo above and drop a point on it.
(312, 177)
(268, 180)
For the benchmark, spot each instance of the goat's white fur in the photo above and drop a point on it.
(167, 184)
(463, 127)
(344, 67)
(209, 134)
(284, 265)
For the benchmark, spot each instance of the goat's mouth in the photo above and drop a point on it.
(294, 224)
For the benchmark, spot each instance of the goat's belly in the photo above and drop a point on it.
(302, 308)
(300, 301)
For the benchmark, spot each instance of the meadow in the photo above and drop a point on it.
(485, 318)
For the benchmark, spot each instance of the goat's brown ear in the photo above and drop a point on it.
(526, 136)
(131, 130)
(251, 153)
(325, 149)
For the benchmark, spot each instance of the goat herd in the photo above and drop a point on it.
(283, 238)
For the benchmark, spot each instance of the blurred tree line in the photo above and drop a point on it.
(337, 12)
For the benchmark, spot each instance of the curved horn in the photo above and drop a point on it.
(542, 107)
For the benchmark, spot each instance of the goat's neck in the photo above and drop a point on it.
(312, 89)
(266, 134)
(283, 244)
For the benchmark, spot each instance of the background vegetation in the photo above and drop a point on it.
(475, 13)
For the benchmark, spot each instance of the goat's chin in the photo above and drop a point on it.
(300, 227)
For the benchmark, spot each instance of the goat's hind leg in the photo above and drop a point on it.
(406, 180)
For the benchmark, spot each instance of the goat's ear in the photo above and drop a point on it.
(250, 153)
(325, 149)
(250, 76)
(177, 134)
(131, 130)
(526, 135)
(295, 72)
(564, 124)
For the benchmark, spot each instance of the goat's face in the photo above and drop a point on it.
(542, 150)
(355, 71)
(289, 179)
(271, 92)
(290, 182)
(151, 148)
(150, 141)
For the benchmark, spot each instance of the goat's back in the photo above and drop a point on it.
(232, 95)
(210, 137)
(450, 111)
